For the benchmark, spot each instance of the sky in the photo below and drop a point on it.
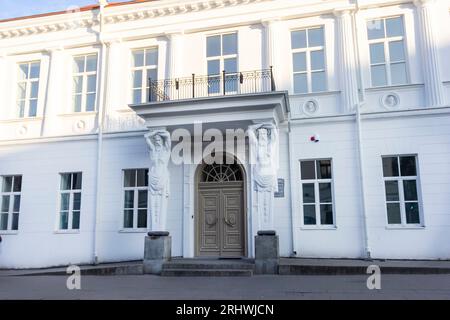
(19, 8)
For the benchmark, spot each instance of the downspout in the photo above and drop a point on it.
(292, 189)
(361, 102)
(100, 120)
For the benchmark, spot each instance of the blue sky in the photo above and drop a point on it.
(19, 8)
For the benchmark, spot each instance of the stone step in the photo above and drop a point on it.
(206, 273)
(208, 266)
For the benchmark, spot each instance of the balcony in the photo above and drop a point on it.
(224, 84)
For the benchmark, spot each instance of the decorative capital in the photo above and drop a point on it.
(424, 3)
(343, 12)
(53, 50)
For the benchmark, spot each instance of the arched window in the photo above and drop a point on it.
(221, 173)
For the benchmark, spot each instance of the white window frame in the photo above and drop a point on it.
(145, 85)
(71, 193)
(11, 194)
(401, 193)
(317, 203)
(136, 208)
(85, 74)
(385, 41)
(28, 82)
(307, 50)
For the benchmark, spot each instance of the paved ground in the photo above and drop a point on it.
(256, 287)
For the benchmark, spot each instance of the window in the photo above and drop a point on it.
(145, 68)
(308, 60)
(317, 192)
(70, 201)
(387, 51)
(222, 55)
(10, 202)
(135, 205)
(400, 182)
(28, 89)
(84, 83)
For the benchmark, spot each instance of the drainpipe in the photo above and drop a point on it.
(100, 120)
(361, 102)
(292, 189)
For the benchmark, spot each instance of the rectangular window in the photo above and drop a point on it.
(84, 83)
(387, 51)
(402, 197)
(308, 60)
(28, 89)
(222, 55)
(144, 69)
(135, 203)
(10, 202)
(70, 201)
(317, 192)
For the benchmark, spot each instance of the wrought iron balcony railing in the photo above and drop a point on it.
(244, 82)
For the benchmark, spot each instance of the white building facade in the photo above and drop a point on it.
(359, 92)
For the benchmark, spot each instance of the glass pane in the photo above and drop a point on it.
(412, 212)
(77, 84)
(379, 75)
(408, 166)
(138, 58)
(91, 63)
(128, 219)
(375, 29)
(142, 199)
(326, 214)
(390, 167)
(394, 27)
(324, 169)
(377, 53)
(77, 103)
(4, 222)
(142, 219)
(137, 96)
(7, 184)
(78, 65)
(77, 201)
(396, 51)
(300, 83)
(65, 181)
(21, 108)
(91, 83)
(17, 184)
(23, 71)
(16, 206)
(319, 81)
(76, 220)
(309, 214)
(152, 74)
(5, 204)
(308, 193)
(64, 221)
(15, 222)
(76, 181)
(214, 85)
(393, 212)
(151, 57)
(213, 46)
(298, 39)
(230, 65)
(317, 60)
(129, 178)
(65, 201)
(137, 79)
(34, 70)
(410, 190)
(307, 170)
(213, 67)
(142, 177)
(299, 61)
(325, 192)
(391, 188)
(21, 90)
(315, 37)
(398, 73)
(229, 44)
(32, 111)
(34, 89)
(129, 199)
(90, 102)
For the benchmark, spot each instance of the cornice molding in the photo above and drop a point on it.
(91, 19)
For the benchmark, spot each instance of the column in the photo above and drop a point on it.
(175, 47)
(347, 61)
(3, 73)
(430, 54)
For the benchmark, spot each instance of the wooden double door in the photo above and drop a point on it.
(221, 219)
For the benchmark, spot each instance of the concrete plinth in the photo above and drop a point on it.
(157, 250)
(267, 252)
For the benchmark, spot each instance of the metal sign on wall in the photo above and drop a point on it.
(280, 192)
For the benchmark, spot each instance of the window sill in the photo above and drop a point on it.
(400, 227)
(133, 231)
(318, 227)
(395, 86)
(8, 232)
(312, 94)
(25, 119)
(75, 114)
(67, 232)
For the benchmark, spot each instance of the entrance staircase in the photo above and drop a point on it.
(208, 268)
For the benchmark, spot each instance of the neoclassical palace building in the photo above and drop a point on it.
(339, 109)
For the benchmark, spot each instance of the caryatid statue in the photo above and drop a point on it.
(264, 159)
(159, 144)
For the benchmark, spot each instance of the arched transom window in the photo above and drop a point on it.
(221, 173)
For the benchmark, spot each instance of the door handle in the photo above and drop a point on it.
(228, 222)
